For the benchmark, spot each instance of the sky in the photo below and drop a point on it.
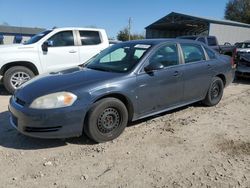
(111, 15)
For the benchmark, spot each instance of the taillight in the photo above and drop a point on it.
(233, 64)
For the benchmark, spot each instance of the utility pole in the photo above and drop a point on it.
(129, 28)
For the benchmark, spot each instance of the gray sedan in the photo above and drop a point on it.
(126, 82)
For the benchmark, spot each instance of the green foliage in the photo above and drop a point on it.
(123, 35)
(238, 10)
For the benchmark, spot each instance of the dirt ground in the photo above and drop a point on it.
(194, 146)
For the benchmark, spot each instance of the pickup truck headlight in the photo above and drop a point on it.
(54, 100)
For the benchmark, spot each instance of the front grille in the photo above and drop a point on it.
(42, 129)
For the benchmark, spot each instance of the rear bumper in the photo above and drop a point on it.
(230, 77)
(243, 71)
(57, 123)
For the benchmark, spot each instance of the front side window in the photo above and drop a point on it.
(192, 53)
(90, 37)
(166, 56)
(64, 38)
(120, 57)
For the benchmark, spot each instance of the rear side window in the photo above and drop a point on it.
(90, 37)
(64, 38)
(192, 53)
(211, 41)
(210, 53)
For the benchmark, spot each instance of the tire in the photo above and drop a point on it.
(106, 120)
(215, 92)
(10, 78)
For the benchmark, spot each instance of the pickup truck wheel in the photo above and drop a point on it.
(106, 120)
(15, 77)
(215, 92)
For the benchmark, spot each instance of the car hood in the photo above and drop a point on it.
(65, 80)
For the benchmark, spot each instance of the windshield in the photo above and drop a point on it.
(37, 37)
(120, 57)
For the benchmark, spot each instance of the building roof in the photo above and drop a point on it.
(185, 17)
(20, 30)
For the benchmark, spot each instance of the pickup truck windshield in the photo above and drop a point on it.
(37, 37)
(120, 57)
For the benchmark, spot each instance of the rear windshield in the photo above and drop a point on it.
(211, 41)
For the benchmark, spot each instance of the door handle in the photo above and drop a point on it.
(72, 51)
(209, 66)
(176, 73)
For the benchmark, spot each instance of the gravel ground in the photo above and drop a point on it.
(194, 146)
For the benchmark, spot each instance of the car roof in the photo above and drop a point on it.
(77, 28)
(162, 40)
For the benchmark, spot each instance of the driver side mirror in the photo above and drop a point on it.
(153, 66)
(47, 44)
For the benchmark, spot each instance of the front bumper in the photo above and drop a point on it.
(53, 123)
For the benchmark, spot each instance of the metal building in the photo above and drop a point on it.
(177, 24)
(11, 34)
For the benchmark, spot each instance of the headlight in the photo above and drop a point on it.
(54, 100)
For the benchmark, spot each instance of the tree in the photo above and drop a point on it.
(5, 24)
(238, 10)
(123, 35)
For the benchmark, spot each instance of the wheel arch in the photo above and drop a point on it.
(26, 64)
(125, 100)
(223, 78)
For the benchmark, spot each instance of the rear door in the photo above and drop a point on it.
(162, 88)
(197, 72)
(90, 44)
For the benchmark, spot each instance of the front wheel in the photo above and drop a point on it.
(215, 92)
(15, 77)
(106, 120)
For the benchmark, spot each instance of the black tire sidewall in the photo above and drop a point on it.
(8, 74)
(91, 128)
(209, 101)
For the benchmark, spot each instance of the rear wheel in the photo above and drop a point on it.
(215, 92)
(15, 77)
(106, 120)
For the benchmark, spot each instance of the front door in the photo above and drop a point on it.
(162, 88)
(62, 52)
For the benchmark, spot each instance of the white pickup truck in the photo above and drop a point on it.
(47, 51)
